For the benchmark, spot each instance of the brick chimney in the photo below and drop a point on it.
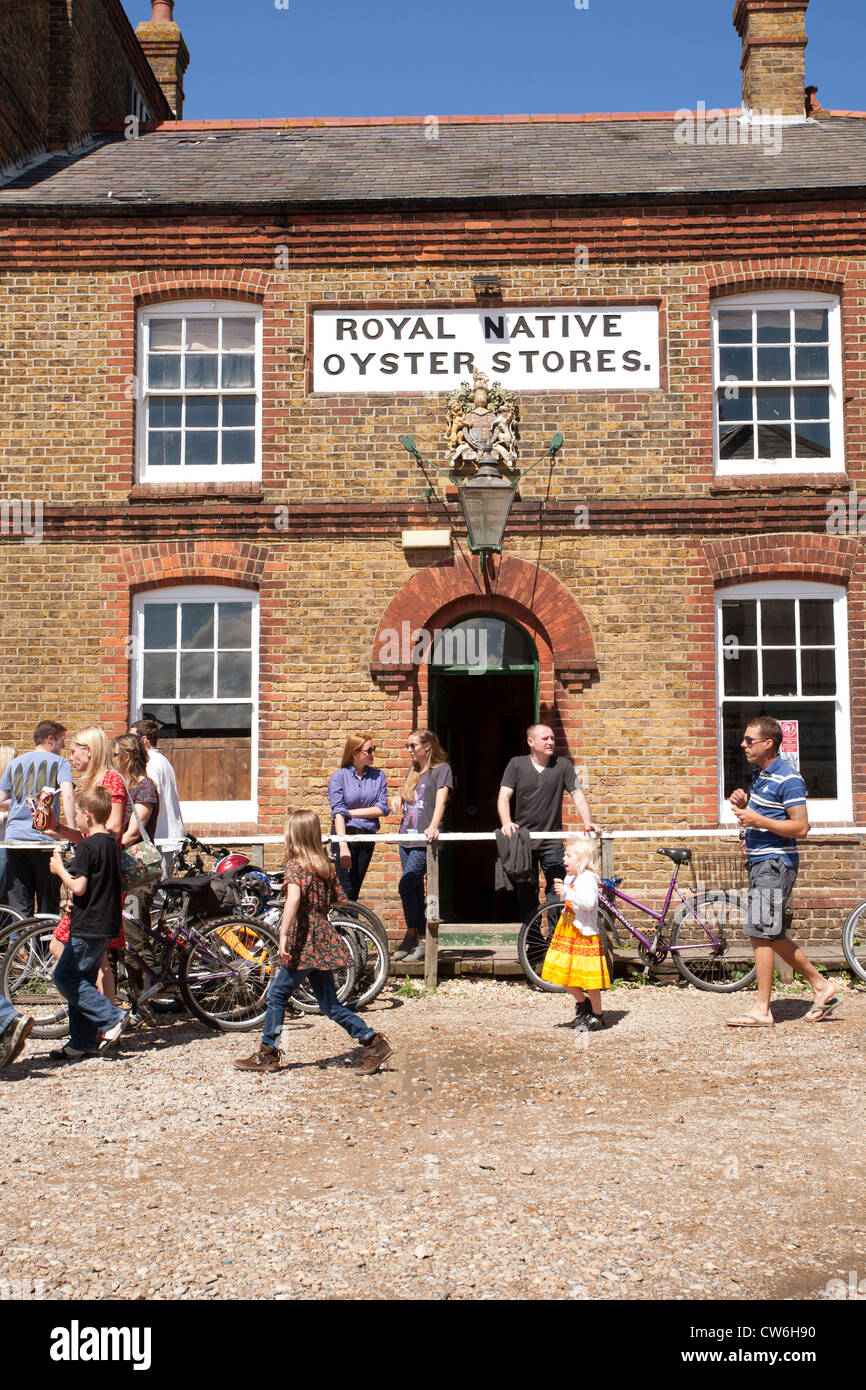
(165, 50)
(774, 54)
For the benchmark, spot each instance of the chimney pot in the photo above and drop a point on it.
(163, 12)
(774, 54)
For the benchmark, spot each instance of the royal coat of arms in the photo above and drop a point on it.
(482, 425)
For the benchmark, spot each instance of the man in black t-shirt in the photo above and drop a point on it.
(535, 783)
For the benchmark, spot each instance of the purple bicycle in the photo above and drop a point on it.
(699, 936)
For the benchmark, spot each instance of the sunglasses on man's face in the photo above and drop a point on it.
(749, 741)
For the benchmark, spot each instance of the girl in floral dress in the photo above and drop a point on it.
(310, 945)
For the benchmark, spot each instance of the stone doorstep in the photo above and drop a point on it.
(500, 961)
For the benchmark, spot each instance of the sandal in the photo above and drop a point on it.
(819, 1012)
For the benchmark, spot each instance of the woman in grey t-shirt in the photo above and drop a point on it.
(421, 802)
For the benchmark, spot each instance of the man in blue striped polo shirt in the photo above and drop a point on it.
(775, 818)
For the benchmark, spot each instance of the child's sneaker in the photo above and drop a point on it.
(111, 1035)
(594, 1023)
(265, 1059)
(582, 1011)
(13, 1038)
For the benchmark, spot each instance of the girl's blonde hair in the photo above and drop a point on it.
(352, 745)
(7, 752)
(587, 852)
(100, 757)
(304, 843)
(436, 755)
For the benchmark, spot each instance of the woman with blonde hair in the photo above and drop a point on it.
(422, 801)
(7, 753)
(310, 945)
(358, 795)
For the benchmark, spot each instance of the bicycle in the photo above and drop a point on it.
(699, 938)
(854, 941)
(222, 973)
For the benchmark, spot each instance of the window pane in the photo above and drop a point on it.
(811, 404)
(201, 447)
(816, 622)
(740, 620)
(165, 333)
(774, 326)
(164, 412)
(235, 625)
(239, 446)
(780, 672)
(777, 623)
(813, 363)
(238, 334)
(818, 672)
(774, 364)
(812, 325)
(202, 335)
(205, 719)
(160, 625)
(817, 737)
(196, 675)
(774, 442)
(741, 671)
(163, 371)
(163, 449)
(196, 625)
(736, 407)
(158, 676)
(774, 404)
(813, 440)
(239, 410)
(735, 326)
(736, 442)
(735, 362)
(200, 372)
(234, 674)
(238, 369)
(202, 412)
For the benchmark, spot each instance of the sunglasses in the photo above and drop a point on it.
(369, 750)
(749, 741)
(412, 746)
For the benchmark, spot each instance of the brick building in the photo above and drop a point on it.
(214, 335)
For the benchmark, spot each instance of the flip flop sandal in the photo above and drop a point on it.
(817, 1014)
(747, 1022)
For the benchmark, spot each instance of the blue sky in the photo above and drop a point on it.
(457, 57)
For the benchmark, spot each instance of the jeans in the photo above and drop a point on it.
(29, 877)
(322, 985)
(75, 977)
(413, 862)
(8, 1013)
(351, 878)
(2, 872)
(547, 853)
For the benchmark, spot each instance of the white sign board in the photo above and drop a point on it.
(567, 349)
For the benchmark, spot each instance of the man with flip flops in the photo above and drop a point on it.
(777, 794)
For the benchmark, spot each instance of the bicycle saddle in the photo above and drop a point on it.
(187, 885)
(679, 856)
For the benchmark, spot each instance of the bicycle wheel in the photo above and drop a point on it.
(227, 971)
(366, 916)
(303, 997)
(27, 977)
(372, 963)
(705, 962)
(854, 941)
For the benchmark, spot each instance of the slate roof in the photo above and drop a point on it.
(480, 160)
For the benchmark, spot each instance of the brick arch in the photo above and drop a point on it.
(787, 555)
(528, 595)
(821, 274)
(156, 286)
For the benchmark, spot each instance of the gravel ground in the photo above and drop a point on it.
(501, 1157)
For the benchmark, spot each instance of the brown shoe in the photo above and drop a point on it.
(377, 1051)
(266, 1059)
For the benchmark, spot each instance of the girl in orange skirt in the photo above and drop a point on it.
(575, 957)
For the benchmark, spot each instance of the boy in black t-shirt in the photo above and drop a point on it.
(94, 881)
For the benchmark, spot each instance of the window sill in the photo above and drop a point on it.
(778, 482)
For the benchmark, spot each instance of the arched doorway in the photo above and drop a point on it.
(482, 694)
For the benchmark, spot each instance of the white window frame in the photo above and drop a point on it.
(196, 473)
(822, 810)
(780, 299)
(209, 593)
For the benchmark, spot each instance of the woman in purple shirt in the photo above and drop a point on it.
(358, 794)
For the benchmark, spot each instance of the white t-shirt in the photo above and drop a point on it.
(169, 822)
(582, 895)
